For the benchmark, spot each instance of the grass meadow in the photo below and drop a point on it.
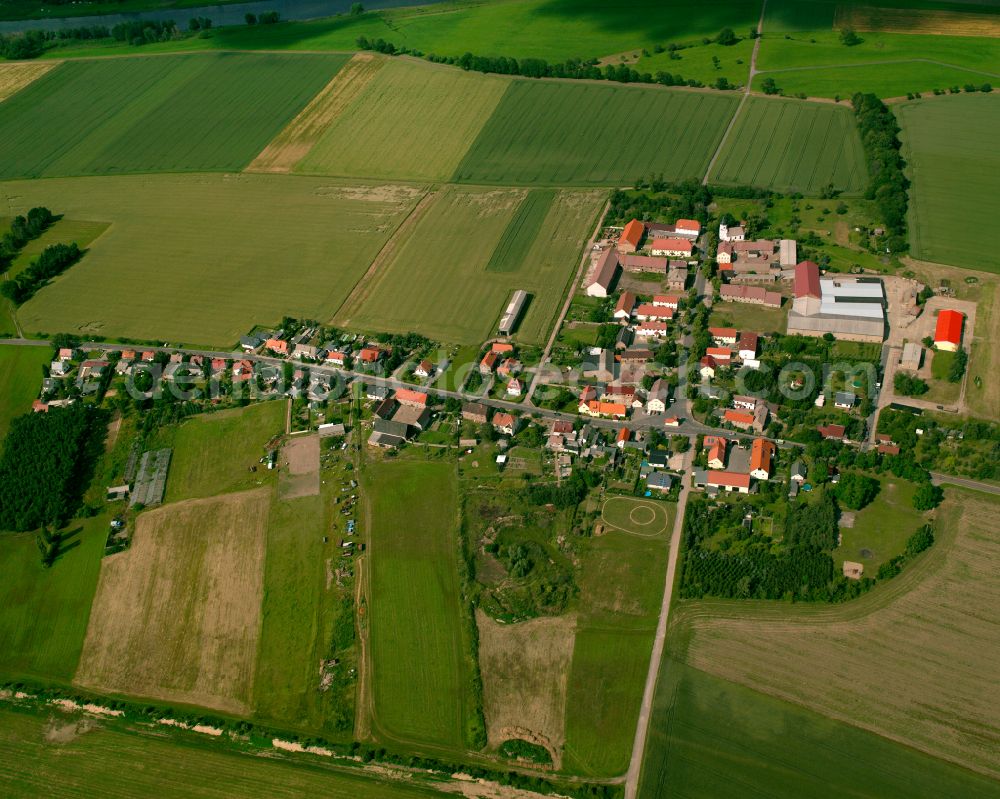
(708, 735)
(176, 616)
(865, 662)
(550, 29)
(950, 146)
(20, 380)
(44, 612)
(213, 452)
(297, 623)
(420, 669)
(413, 120)
(880, 530)
(200, 259)
(587, 134)
(442, 284)
(62, 755)
(621, 586)
(174, 114)
(792, 146)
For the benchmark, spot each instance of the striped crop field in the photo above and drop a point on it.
(166, 114)
(412, 121)
(510, 252)
(439, 280)
(564, 133)
(15, 76)
(790, 145)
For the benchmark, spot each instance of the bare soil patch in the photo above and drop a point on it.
(15, 76)
(177, 616)
(911, 20)
(525, 669)
(299, 465)
(300, 135)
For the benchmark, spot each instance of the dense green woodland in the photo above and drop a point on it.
(46, 465)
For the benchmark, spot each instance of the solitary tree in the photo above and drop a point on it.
(727, 37)
(849, 37)
(357, 9)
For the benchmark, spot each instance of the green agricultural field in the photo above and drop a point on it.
(788, 145)
(438, 285)
(413, 121)
(621, 586)
(62, 755)
(577, 133)
(201, 259)
(510, 253)
(20, 380)
(300, 621)
(44, 612)
(950, 146)
(707, 735)
(213, 452)
(420, 667)
(179, 114)
(520, 28)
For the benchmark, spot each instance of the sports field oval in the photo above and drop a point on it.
(640, 517)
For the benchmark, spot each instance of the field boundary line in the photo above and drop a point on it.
(880, 63)
(366, 283)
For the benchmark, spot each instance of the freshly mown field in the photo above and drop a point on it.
(200, 259)
(439, 281)
(413, 120)
(20, 381)
(575, 133)
(299, 621)
(15, 76)
(213, 452)
(67, 756)
(172, 114)
(44, 612)
(950, 144)
(621, 585)
(420, 669)
(177, 615)
(791, 146)
(912, 661)
(708, 735)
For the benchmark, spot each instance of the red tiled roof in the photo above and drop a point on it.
(624, 434)
(723, 332)
(761, 454)
(688, 224)
(411, 396)
(633, 233)
(888, 449)
(626, 302)
(668, 300)
(370, 354)
(672, 244)
(832, 430)
(807, 279)
(729, 479)
(738, 417)
(489, 360)
(719, 353)
(503, 420)
(949, 327)
(500, 346)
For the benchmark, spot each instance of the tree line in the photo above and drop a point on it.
(22, 230)
(573, 68)
(887, 184)
(46, 464)
(53, 260)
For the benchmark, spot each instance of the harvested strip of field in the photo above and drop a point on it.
(199, 112)
(299, 476)
(913, 20)
(525, 670)
(295, 141)
(576, 133)
(914, 661)
(789, 145)
(177, 616)
(15, 76)
(509, 254)
(413, 121)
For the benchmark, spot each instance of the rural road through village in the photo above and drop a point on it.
(652, 676)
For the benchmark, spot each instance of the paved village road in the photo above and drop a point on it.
(937, 478)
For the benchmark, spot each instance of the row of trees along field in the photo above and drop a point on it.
(22, 230)
(53, 260)
(887, 183)
(46, 464)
